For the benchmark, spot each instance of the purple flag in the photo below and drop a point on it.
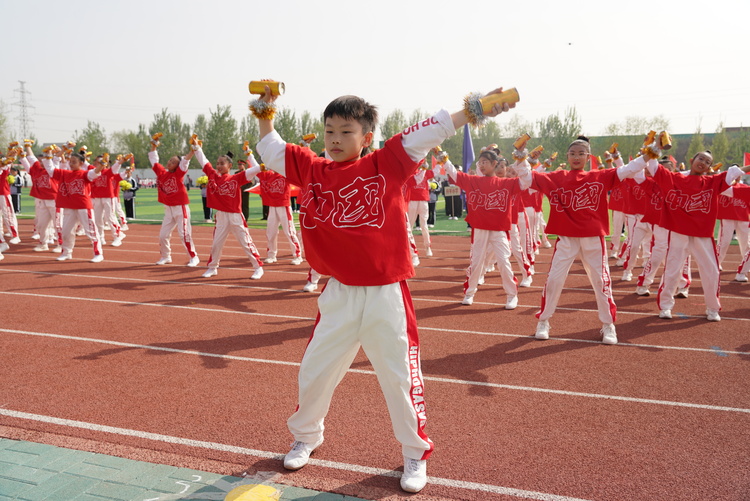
(468, 151)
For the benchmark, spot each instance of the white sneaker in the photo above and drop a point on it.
(415, 475)
(481, 280)
(468, 299)
(64, 256)
(642, 291)
(299, 455)
(614, 254)
(415, 261)
(542, 330)
(98, 258)
(620, 262)
(124, 227)
(164, 260)
(740, 277)
(194, 261)
(41, 248)
(609, 334)
(269, 260)
(511, 303)
(57, 250)
(429, 252)
(117, 242)
(210, 273)
(712, 315)
(14, 240)
(35, 236)
(665, 314)
(80, 233)
(257, 274)
(682, 293)
(627, 276)
(297, 261)
(310, 287)
(1, 256)
(526, 282)
(546, 245)
(4, 247)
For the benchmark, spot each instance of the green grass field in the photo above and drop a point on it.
(149, 211)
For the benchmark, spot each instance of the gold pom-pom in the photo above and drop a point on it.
(262, 110)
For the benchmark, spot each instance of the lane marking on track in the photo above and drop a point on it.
(415, 295)
(372, 373)
(434, 329)
(368, 470)
(276, 289)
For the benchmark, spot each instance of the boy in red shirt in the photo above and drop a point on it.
(224, 193)
(490, 202)
(275, 193)
(352, 215)
(44, 191)
(173, 194)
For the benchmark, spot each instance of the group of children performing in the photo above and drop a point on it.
(357, 209)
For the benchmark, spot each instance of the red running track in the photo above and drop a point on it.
(156, 363)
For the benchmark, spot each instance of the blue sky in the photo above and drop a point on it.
(120, 62)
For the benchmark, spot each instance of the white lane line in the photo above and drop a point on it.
(311, 319)
(157, 437)
(372, 373)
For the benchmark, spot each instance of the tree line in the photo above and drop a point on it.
(221, 132)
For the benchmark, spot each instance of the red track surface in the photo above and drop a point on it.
(664, 415)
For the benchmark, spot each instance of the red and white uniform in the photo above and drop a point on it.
(659, 238)
(74, 198)
(116, 205)
(616, 202)
(102, 193)
(490, 201)
(734, 217)
(224, 195)
(417, 195)
(44, 191)
(352, 216)
(690, 207)
(639, 232)
(172, 193)
(275, 193)
(742, 192)
(6, 206)
(579, 216)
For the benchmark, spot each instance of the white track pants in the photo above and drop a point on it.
(231, 222)
(592, 251)
(381, 320)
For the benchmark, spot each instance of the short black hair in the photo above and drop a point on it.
(353, 108)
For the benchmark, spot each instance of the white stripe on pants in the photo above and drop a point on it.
(381, 320)
(281, 216)
(703, 250)
(592, 251)
(176, 216)
(235, 223)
